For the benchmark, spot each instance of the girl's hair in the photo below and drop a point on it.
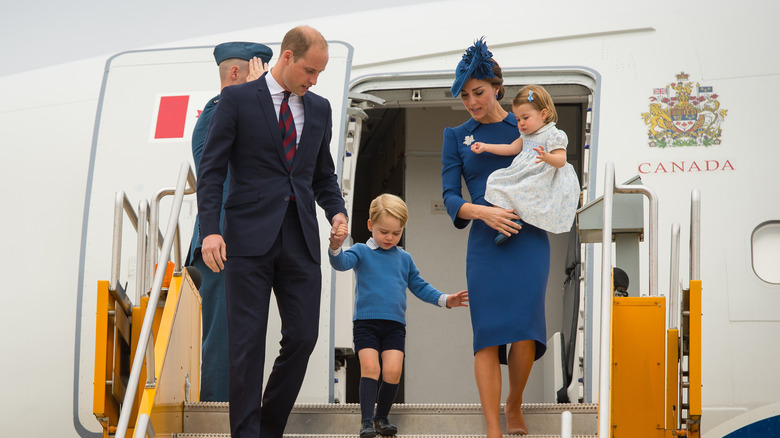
(387, 204)
(539, 99)
(497, 79)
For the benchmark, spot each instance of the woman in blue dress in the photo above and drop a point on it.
(506, 282)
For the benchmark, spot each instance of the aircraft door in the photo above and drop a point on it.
(149, 103)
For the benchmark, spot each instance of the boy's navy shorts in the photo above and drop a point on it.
(379, 334)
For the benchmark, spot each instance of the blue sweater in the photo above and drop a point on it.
(382, 279)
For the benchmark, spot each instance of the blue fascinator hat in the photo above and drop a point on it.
(475, 63)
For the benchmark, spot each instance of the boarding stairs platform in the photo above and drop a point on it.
(147, 353)
(210, 420)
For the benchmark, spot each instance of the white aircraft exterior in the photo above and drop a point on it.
(75, 134)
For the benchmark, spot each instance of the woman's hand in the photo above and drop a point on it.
(500, 219)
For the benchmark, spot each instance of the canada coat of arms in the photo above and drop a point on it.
(684, 114)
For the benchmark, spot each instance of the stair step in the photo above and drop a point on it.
(210, 419)
(226, 435)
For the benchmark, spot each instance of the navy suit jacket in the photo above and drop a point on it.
(244, 135)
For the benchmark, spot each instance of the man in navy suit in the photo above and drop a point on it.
(270, 238)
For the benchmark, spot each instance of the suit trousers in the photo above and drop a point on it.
(296, 280)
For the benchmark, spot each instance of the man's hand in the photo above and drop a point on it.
(337, 220)
(256, 68)
(214, 252)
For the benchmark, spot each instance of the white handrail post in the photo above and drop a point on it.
(154, 296)
(145, 428)
(606, 302)
(116, 247)
(652, 228)
(140, 264)
(674, 277)
(695, 248)
(566, 424)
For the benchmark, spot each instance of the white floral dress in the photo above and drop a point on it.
(542, 195)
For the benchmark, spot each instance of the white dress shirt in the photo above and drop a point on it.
(295, 102)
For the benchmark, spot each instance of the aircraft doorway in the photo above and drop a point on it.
(400, 153)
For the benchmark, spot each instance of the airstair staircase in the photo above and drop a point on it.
(147, 357)
(210, 420)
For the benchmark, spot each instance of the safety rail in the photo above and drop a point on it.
(674, 277)
(155, 220)
(122, 204)
(692, 374)
(566, 426)
(144, 427)
(141, 248)
(694, 257)
(610, 188)
(695, 241)
(144, 345)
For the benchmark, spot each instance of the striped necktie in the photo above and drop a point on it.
(287, 126)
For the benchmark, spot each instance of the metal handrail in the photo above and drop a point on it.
(185, 176)
(566, 424)
(121, 204)
(145, 428)
(610, 188)
(695, 241)
(155, 220)
(140, 265)
(674, 277)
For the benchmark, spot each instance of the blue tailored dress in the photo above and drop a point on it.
(506, 282)
(539, 193)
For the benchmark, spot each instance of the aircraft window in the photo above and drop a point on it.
(765, 247)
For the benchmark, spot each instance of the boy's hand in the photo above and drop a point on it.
(478, 147)
(337, 238)
(460, 299)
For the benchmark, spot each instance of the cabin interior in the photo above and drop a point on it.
(400, 153)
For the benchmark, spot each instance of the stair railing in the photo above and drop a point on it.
(694, 255)
(686, 375)
(141, 250)
(674, 278)
(154, 222)
(610, 188)
(566, 424)
(695, 242)
(121, 206)
(144, 345)
(144, 427)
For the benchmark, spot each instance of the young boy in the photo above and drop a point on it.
(384, 271)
